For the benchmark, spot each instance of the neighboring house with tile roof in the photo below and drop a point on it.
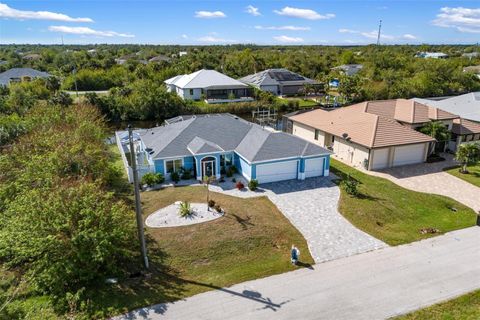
(21, 74)
(432, 55)
(382, 134)
(281, 82)
(209, 85)
(363, 139)
(207, 145)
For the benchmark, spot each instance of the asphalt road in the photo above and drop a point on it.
(374, 285)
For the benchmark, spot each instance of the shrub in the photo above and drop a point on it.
(351, 186)
(234, 180)
(186, 175)
(175, 176)
(149, 179)
(218, 208)
(231, 170)
(211, 203)
(184, 209)
(253, 185)
(239, 185)
(159, 178)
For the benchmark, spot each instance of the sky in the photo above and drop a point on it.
(259, 22)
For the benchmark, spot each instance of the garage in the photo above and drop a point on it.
(380, 158)
(314, 167)
(278, 171)
(410, 154)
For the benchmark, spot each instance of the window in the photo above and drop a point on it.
(173, 165)
(226, 160)
(317, 132)
(191, 92)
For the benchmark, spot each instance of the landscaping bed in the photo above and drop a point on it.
(252, 240)
(473, 175)
(396, 215)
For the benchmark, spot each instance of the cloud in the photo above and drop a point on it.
(84, 31)
(213, 39)
(209, 14)
(303, 14)
(253, 11)
(462, 19)
(7, 12)
(184, 36)
(287, 39)
(290, 28)
(408, 36)
(374, 34)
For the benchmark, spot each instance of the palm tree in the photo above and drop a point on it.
(437, 130)
(467, 153)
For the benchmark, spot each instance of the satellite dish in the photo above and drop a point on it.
(345, 135)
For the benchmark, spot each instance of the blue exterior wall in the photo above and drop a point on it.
(188, 163)
(159, 168)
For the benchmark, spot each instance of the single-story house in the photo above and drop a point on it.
(473, 69)
(471, 55)
(207, 145)
(361, 138)
(432, 55)
(159, 58)
(349, 69)
(466, 106)
(21, 74)
(209, 85)
(281, 82)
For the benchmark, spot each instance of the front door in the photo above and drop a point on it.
(208, 168)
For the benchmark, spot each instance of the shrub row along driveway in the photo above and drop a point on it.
(311, 206)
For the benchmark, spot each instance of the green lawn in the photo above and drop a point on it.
(466, 307)
(251, 241)
(394, 214)
(473, 175)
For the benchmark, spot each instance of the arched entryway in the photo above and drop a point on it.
(208, 166)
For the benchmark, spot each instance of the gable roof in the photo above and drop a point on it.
(224, 132)
(407, 111)
(349, 69)
(272, 77)
(16, 73)
(364, 128)
(466, 105)
(205, 79)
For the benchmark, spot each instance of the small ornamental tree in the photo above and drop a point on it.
(467, 154)
(436, 130)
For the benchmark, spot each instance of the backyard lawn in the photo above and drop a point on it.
(472, 177)
(395, 215)
(251, 241)
(466, 307)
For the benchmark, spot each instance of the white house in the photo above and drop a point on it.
(209, 85)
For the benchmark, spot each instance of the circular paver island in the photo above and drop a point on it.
(169, 216)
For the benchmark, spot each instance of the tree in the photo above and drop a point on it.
(467, 154)
(52, 83)
(207, 181)
(62, 99)
(436, 130)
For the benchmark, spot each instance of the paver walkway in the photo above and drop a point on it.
(430, 178)
(375, 285)
(311, 206)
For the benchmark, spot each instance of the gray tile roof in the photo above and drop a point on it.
(18, 73)
(224, 132)
(200, 146)
(276, 77)
(467, 105)
(205, 79)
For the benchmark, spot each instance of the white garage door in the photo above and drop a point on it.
(380, 158)
(314, 167)
(279, 171)
(409, 154)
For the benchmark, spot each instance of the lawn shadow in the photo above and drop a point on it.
(244, 222)
(305, 265)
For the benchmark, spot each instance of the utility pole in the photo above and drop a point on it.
(138, 208)
(379, 32)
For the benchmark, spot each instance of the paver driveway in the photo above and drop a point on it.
(430, 178)
(311, 206)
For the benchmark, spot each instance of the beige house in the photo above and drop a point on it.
(361, 138)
